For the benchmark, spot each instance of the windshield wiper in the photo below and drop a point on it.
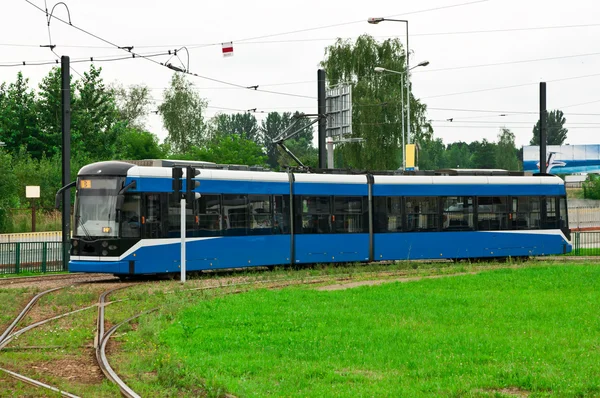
(83, 228)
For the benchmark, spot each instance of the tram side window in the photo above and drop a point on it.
(209, 215)
(235, 214)
(526, 212)
(281, 214)
(492, 213)
(421, 214)
(380, 214)
(260, 215)
(153, 223)
(564, 220)
(458, 213)
(315, 215)
(551, 213)
(387, 214)
(130, 217)
(348, 214)
(174, 218)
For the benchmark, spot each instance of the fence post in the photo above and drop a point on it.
(576, 248)
(44, 255)
(17, 257)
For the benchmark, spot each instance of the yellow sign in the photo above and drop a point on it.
(85, 184)
(106, 230)
(410, 156)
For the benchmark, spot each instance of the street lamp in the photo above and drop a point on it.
(379, 69)
(375, 21)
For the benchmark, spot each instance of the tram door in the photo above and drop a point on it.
(154, 217)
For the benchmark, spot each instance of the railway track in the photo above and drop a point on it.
(9, 334)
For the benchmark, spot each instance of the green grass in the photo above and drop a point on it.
(20, 221)
(535, 330)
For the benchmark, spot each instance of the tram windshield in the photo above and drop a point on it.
(96, 208)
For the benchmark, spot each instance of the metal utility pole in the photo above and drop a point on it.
(322, 122)
(66, 157)
(543, 132)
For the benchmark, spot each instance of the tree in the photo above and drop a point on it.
(506, 152)
(49, 110)
(18, 118)
(274, 124)
(229, 149)
(241, 124)
(483, 154)
(431, 154)
(95, 116)
(555, 128)
(458, 155)
(132, 103)
(376, 105)
(181, 112)
(134, 144)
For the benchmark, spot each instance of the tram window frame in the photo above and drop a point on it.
(418, 220)
(281, 214)
(493, 213)
(455, 215)
(313, 219)
(260, 223)
(206, 219)
(241, 222)
(388, 211)
(345, 219)
(526, 212)
(131, 217)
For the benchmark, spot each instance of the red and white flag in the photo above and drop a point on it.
(228, 49)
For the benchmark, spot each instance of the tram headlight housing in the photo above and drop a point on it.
(112, 247)
(104, 244)
(104, 252)
(75, 243)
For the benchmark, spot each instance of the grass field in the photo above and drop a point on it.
(499, 333)
(529, 329)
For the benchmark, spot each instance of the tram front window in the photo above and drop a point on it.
(95, 209)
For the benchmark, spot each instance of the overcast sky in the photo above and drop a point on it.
(559, 38)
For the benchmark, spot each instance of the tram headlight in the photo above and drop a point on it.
(75, 243)
(112, 247)
(104, 252)
(104, 244)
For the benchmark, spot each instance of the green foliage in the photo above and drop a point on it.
(484, 154)
(376, 105)
(18, 117)
(591, 187)
(556, 131)
(132, 104)
(181, 112)
(506, 152)
(241, 124)
(134, 144)
(458, 155)
(228, 149)
(431, 154)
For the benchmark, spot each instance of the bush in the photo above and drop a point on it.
(591, 187)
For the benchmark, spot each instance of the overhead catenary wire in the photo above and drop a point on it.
(130, 50)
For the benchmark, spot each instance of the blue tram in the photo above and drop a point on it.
(127, 218)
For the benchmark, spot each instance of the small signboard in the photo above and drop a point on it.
(32, 191)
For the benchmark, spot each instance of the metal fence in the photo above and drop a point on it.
(585, 243)
(21, 257)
